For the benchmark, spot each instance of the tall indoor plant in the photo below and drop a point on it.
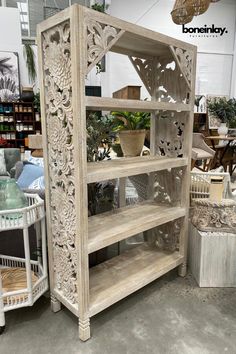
(225, 110)
(132, 128)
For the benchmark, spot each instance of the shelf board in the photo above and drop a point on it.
(131, 166)
(107, 104)
(120, 276)
(23, 112)
(7, 131)
(116, 225)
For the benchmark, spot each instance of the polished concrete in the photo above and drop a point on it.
(170, 316)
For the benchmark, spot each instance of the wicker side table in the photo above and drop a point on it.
(23, 280)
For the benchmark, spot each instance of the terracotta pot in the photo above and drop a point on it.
(132, 142)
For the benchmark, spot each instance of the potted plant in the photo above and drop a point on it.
(132, 130)
(225, 110)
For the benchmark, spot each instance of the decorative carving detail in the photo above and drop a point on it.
(166, 237)
(98, 40)
(171, 134)
(211, 216)
(59, 128)
(167, 186)
(171, 83)
(144, 69)
(185, 58)
(168, 85)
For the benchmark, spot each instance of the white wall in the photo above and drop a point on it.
(215, 55)
(10, 38)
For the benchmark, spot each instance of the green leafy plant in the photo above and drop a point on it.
(224, 109)
(100, 7)
(30, 62)
(98, 134)
(100, 195)
(130, 120)
(36, 102)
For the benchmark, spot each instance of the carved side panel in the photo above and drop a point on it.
(162, 78)
(144, 68)
(171, 86)
(100, 37)
(170, 131)
(185, 59)
(59, 130)
(167, 186)
(166, 237)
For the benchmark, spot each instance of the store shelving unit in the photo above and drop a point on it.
(70, 45)
(17, 121)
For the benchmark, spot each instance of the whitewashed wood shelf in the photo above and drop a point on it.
(110, 227)
(107, 104)
(70, 44)
(120, 276)
(124, 167)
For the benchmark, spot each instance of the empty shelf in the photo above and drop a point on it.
(120, 276)
(124, 167)
(113, 226)
(108, 104)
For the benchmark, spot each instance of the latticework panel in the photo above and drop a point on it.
(167, 186)
(166, 237)
(61, 156)
(162, 78)
(171, 134)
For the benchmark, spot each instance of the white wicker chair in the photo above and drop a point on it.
(200, 184)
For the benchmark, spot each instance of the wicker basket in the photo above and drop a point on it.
(15, 279)
(199, 6)
(182, 12)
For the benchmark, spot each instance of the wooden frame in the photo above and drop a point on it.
(70, 44)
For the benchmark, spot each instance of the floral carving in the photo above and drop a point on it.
(164, 192)
(212, 216)
(59, 128)
(166, 237)
(168, 85)
(144, 69)
(185, 58)
(98, 39)
(171, 134)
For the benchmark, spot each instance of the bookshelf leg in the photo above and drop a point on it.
(182, 269)
(84, 329)
(55, 304)
(2, 321)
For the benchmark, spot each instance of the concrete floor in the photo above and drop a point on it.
(170, 316)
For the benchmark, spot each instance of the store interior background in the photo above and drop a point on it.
(216, 62)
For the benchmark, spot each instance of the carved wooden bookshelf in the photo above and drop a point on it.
(70, 44)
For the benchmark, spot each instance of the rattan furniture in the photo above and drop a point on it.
(70, 44)
(23, 280)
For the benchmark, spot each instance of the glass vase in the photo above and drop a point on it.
(11, 197)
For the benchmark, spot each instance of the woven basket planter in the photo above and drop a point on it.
(199, 6)
(182, 12)
(132, 141)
